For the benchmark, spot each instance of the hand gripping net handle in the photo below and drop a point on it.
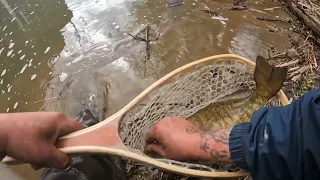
(182, 93)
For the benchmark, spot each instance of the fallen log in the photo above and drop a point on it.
(306, 19)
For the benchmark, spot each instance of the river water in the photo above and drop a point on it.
(52, 52)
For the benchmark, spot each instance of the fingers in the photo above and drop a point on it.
(151, 135)
(156, 148)
(47, 155)
(59, 159)
(54, 159)
(68, 126)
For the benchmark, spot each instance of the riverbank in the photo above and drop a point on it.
(303, 57)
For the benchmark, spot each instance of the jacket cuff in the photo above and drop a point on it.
(238, 144)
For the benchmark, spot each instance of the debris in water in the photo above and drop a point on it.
(15, 105)
(47, 50)
(272, 20)
(239, 8)
(10, 52)
(172, 3)
(33, 77)
(4, 72)
(23, 69)
(9, 88)
(271, 9)
(63, 76)
(209, 11)
(219, 18)
(11, 45)
(147, 57)
(22, 57)
(239, 3)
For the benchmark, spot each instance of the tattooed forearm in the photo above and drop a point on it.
(219, 155)
(205, 146)
(221, 136)
(214, 143)
(192, 130)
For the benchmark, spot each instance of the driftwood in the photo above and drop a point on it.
(306, 19)
(147, 57)
(238, 8)
(173, 3)
(270, 19)
(273, 8)
(146, 39)
(289, 63)
(137, 38)
(210, 12)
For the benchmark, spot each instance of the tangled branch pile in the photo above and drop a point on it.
(303, 57)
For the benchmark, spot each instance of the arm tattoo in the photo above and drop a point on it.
(219, 155)
(219, 136)
(205, 146)
(192, 130)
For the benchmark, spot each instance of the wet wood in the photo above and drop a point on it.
(309, 22)
(210, 12)
(173, 3)
(239, 8)
(147, 57)
(270, 19)
(137, 38)
(273, 8)
(289, 63)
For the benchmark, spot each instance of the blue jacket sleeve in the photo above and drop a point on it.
(280, 142)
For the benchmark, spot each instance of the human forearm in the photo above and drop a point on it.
(214, 145)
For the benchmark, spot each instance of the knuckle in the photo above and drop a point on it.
(57, 116)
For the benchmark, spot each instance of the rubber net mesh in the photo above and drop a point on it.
(182, 96)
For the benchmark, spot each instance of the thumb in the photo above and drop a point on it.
(61, 159)
(155, 148)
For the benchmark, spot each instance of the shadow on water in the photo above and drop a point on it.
(67, 55)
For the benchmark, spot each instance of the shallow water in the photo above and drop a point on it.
(51, 51)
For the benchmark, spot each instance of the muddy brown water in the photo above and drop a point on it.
(52, 52)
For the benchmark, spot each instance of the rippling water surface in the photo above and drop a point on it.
(53, 52)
